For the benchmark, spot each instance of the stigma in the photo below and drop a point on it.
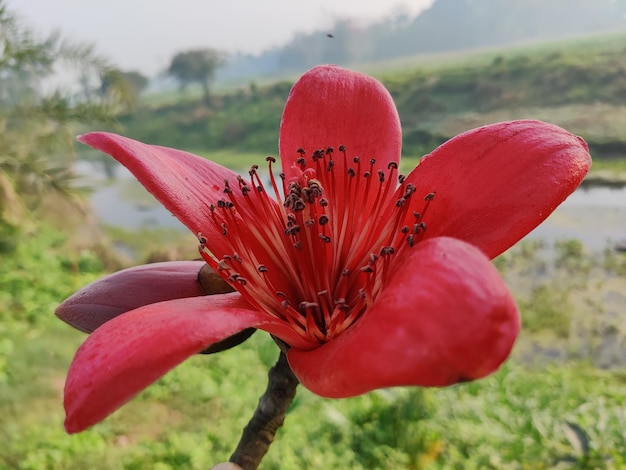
(315, 249)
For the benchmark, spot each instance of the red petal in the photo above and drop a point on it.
(445, 316)
(495, 184)
(126, 290)
(128, 353)
(331, 106)
(184, 183)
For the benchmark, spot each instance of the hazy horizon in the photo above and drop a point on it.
(142, 35)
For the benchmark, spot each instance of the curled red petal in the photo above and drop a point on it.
(496, 183)
(445, 316)
(332, 106)
(128, 289)
(131, 351)
(184, 183)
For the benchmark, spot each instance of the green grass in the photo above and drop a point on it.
(534, 413)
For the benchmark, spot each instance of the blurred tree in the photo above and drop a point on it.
(120, 86)
(38, 119)
(196, 66)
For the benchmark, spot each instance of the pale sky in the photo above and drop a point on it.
(144, 35)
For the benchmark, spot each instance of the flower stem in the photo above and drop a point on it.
(269, 415)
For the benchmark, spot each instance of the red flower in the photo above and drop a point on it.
(372, 279)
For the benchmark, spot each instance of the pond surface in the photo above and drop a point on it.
(595, 215)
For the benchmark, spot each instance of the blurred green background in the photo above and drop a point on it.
(559, 402)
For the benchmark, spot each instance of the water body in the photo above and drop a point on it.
(595, 215)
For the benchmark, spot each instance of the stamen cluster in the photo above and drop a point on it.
(317, 254)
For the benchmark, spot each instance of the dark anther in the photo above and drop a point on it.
(351, 172)
(416, 228)
(280, 294)
(285, 303)
(387, 250)
(393, 165)
(367, 269)
(201, 239)
(301, 161)
(271, 159)
(401, 179)
(292, 229)
(381, 176)
(324, 238)
(373, 258)
(300, 150)
(233, 277)
(345, 272)
(323, 202)
(423, 226)
(400, 202)
(221, 204)
(410, 189)
(329, 150)
(298, 245)
(405, 229)
(367, 174)
(245, 190)
(342, 148)
(429, 197)
(236, 257)
(409, 240)
(307, 195)
(222, 265)
(323, 220)
(417, 215)
(261, 268)
(227, 257)
(281, 176)
(330, 165)
(304, 305)
(309, 223)
(212, 207)
(316, 188)
(224, 231)
(317, 154)
(356, 159)
(242, 280)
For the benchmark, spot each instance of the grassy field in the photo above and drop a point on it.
(578, 84)
(559, 402)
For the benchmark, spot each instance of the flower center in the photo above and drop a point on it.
(317, 254)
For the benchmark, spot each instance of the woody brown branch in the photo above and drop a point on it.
(269, 416)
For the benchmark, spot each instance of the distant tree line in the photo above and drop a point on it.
(446, 26)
